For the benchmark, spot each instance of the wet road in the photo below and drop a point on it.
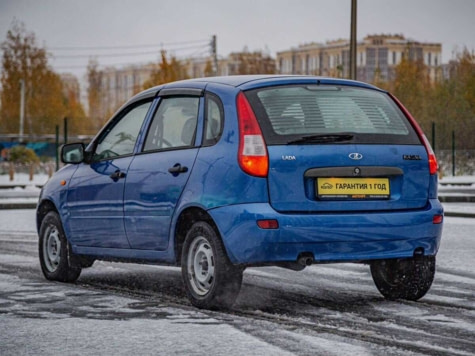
(323, 310)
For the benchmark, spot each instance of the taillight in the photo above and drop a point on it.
(433, 165)
(252, 157)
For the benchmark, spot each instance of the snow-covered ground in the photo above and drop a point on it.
(22, 179)
(21, 190)
(122, 309)
(457, 180)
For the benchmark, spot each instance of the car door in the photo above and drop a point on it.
(158, 175)
(96, 190)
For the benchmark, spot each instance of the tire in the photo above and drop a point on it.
(211, 280)
(55, 251)
(409, 278)
(85, 262)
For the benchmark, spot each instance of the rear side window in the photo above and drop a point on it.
(214, 120)
(367, 116)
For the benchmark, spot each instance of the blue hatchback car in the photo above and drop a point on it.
(219, 174)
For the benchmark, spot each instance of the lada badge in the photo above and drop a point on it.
(355, 156)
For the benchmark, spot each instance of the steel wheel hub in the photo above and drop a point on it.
(201, 266)
(52, 249)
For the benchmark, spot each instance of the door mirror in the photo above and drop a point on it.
(72, 153)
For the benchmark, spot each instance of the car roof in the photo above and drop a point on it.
(253, 81)
(247, 82)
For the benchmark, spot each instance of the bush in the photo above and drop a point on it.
(23, 155)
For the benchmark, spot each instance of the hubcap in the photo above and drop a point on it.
(201, 266)
(52, 249)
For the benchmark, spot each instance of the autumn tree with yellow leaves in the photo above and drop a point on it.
(168, 70)
(256, 62)
(46, 104)
(95, 95)
(452, 103)
(448, 102)
(412, 86)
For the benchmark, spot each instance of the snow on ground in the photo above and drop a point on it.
(38, 317)
(18, 221)
(453, 180)
(457, 249)
(21, 190)
(119, 322)
(23, 178)
(42, 318)
(459, 207)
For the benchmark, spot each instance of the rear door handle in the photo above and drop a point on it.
(117, 175)
(177, 169)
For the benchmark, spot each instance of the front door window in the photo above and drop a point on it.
(120, 139)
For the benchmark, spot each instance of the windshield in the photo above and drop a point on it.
(308, 113)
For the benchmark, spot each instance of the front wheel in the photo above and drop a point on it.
(408, 278)
(211, 280)
(54, 251)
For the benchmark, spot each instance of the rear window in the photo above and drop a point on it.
(289, 113)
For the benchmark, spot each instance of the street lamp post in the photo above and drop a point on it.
(22, 108)
(353, 41)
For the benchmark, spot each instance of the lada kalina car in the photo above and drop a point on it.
(219, 174)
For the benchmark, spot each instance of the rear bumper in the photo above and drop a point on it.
(332, 237)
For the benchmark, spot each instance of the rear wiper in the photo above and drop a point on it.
(322, 139)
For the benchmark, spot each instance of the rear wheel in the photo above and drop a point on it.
(408, 278)
(55, 251)
(211, 280)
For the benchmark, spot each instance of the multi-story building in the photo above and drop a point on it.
(199, 67)
(117, 85)
(377, 57)
(244, 62)
(204, 67)
(71, 88)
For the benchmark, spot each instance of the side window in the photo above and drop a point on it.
(214, 120)
(120, 139)
(174, 124)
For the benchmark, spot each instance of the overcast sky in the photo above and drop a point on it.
(185, 27)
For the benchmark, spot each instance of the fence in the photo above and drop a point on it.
(451, 163)
(456, 162)
(45, 169)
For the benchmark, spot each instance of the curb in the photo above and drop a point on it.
(5, 206)
(457, 198)
(454, 214)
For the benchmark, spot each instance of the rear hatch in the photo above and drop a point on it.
(339, 148)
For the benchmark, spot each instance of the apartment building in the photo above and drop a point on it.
(377, 57)
(117, 85)
(235, 63)
(71, 88)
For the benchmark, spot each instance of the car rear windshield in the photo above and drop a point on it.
(329, 114)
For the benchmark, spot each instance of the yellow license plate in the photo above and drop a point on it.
(353, 188)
